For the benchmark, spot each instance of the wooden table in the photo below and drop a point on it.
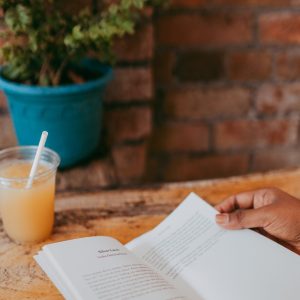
(123, 214)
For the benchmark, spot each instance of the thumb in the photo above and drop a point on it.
(248, 218)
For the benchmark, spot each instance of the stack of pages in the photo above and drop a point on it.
(187, 256)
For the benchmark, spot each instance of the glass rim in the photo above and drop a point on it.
(37, 176)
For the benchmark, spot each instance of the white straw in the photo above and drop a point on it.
(37, 158)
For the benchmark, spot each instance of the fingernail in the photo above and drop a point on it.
(222, 218)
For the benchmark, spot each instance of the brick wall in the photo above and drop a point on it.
(128, 104)
(226, 90)
(227, 76)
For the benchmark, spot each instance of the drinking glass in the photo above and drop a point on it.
(27, 212)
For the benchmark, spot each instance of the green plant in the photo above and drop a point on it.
(43, 41)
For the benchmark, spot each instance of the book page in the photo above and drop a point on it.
(92, 268)
(51, 273)
(190, 249)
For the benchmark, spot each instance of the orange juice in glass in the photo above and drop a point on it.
(27, 213)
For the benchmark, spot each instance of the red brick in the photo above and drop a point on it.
(128, 124)
(137, 47)
(238, 3)
(7, 134)
(200, 66)
(189, 3)
(154, 166)
(280, 28)
(147, 12)
(276, 159)
(184, 30)
(249, 65)
(3, 105)
(130, 163)
(258, 3)
(252, 134)
(130, 84)
(206, 103)
(74, 7)
(279, 99)
(288, 65)
(181, 168)
(181, 137)
(96, 174)
(163, 67)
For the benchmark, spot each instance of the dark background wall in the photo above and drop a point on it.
(227, 88)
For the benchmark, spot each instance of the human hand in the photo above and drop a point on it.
(273, 212)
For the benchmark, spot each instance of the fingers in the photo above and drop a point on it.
(245, 200)
(251, 218)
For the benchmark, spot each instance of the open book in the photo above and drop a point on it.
(187, 256)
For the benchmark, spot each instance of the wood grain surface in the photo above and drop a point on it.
(123, 214)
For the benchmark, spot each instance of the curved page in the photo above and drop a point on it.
(101, 268)
(192, 251)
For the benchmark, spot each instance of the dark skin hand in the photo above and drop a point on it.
(270, 211)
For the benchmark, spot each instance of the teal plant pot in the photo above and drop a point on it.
(70, 113)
